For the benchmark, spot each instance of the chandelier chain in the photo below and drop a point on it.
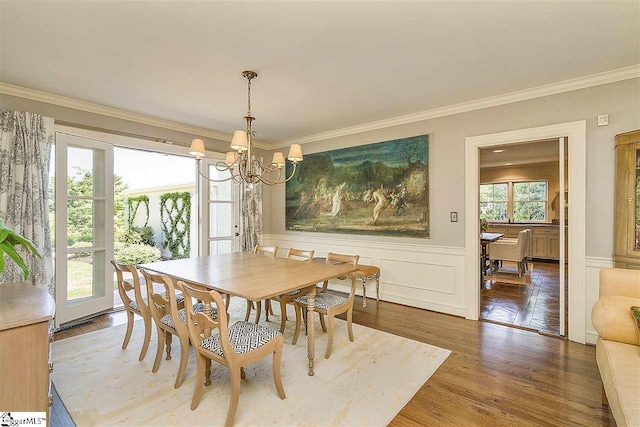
(249, 96)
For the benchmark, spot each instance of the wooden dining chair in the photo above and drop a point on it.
(134, 306)
(265, 251)
(235, 346)
(295, 254)
(170, 319)
(330, 304)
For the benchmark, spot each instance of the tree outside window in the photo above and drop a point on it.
(494, 201)
(530, 201)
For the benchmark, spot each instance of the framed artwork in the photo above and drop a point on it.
(379, 189)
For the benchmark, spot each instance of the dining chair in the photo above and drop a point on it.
(284, 299)
(170, 319)
(265, 251)
(137, 305)
(330, 304)
(509, 250)
(235, 346)
(527, 247)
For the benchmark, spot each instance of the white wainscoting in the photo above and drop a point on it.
(593, 266)
(429, 277)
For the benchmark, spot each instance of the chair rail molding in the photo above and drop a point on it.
(576, 133)
(422, 276)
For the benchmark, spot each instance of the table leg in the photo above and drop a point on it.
(483, 264)
(378, 287)
(364, 292)
(311, 343)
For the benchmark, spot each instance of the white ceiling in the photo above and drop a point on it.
(322, 65)
(520, 154)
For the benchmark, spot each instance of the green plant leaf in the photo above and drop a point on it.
(16, 239)
(1, 259)
(17, 259)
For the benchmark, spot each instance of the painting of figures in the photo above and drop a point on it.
(380, 189)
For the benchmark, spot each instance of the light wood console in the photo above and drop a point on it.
(25, 356)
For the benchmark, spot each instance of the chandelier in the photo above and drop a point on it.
(243, 166)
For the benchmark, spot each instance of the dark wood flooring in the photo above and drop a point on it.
(531, 302)
(495, 376)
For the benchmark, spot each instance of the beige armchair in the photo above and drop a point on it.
(510, 250)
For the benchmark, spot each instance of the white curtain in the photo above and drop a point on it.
(25, 150)
(250, 216)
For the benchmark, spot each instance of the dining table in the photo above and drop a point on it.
(485, 239)
(256, 278)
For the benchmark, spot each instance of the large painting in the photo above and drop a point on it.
(380, 189)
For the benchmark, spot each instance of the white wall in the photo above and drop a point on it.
(413, 283)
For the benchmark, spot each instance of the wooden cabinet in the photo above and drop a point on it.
(546, 242)
(626, 251)
(25, 363)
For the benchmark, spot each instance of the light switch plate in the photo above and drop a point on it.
(454, 216)
(603, 120)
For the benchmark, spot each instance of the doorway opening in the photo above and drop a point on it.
(522, 205)
(575, 132)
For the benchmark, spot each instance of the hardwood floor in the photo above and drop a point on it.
(531, 302)
(495, 376)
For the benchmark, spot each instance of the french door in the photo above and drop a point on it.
(219, 207)
(83, 227)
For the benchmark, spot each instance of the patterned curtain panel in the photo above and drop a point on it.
(250, 216)
(25, 150)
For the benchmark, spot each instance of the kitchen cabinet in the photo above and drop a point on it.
(545, 238)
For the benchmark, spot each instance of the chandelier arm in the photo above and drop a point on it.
(279, 181)
(267, 181)
(222, 167)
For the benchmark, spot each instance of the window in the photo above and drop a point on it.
(494, 201)
(530, 201)
(524, 201)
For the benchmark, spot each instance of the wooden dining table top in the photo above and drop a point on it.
(249, 276)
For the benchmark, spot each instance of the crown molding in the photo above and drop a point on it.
(627, 73)
(117, 113)
(612, 76)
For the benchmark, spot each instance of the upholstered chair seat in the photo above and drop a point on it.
(243, 336)
(197, 308)
(324, 301)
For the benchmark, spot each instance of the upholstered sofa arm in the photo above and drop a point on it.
(611, 314)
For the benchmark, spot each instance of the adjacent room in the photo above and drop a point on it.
(319, 213)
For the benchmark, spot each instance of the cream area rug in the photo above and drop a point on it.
(363, 383)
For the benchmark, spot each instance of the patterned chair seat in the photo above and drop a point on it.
(182, 314)
(244, 337)
(290, 293)
(324, 300)
(134, 304)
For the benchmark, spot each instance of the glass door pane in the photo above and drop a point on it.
(84, 233)
(220, 229)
